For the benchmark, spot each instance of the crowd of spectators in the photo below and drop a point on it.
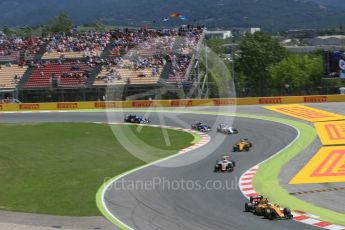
(150, 42)
(154, 63)
(126, 40)
(111, 76)
(150, 62)
(134, 49)
(179, 65)
(13, 45)
(90, 43)
(141, 47)
(58, 71)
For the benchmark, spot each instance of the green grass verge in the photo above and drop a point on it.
(57, 168)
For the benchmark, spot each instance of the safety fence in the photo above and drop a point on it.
(171, 103)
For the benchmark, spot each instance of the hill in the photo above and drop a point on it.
(333, 4)
(269, 14)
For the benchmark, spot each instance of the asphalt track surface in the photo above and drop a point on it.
(189, 209)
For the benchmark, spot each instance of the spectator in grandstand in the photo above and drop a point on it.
(89, 43)
(16, 79)
(154, 71)
(10, 46)
(75, 67)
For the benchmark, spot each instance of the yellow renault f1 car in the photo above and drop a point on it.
(261, 207)
(242, 145)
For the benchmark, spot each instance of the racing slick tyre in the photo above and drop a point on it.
(267, 213)
(287, 213)
(257, 213)
(248, 207)
(270, 215)
(233, 163)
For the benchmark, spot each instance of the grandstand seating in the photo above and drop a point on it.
(142, 76)
(9, 56)
(29, 56)
(42, 77)
(115, 57)
(8, 74)
(12, 48)
(152, 46)
(179, 68)
(71, 55)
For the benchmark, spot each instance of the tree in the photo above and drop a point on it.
(314, 66)
(300, 72)
(217, 45)
(26, 31)
(257, 53)
(99, 26)
(59, 24)
(7, 31)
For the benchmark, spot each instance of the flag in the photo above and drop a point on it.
(175, 15)
(182, 17)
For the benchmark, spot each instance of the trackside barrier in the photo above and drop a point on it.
(172, 103)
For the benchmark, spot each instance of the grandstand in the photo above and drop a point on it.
(10, 75)
(9, 56)
(76, 46)
(144, 69)
(19, 49)
(126, 76)
(70, 55)
(153, 46)
(178, 69)
(88, 63)
(70, 74)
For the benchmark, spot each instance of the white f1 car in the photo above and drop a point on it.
(226, 129)
(225, 165)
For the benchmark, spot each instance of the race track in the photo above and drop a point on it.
(195, 209)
